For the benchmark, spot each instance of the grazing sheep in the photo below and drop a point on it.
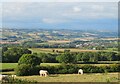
(4, 78)
(80, 71)
(13, 76)
(43, 73)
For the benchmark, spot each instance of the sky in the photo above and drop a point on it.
(60, 15)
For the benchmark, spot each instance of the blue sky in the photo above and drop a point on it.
(60, 15)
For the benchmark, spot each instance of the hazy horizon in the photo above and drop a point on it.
(55, 15)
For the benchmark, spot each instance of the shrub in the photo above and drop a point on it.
(115, 68)
(69, 69)
(23, 70)
(26, 69)
(29, 59)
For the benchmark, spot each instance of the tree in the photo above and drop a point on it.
(66, 57)
(85, 57)
(13, 54)
(4, 49)
(79, 56)
(27, 65)
(29, 59)
(93, 56)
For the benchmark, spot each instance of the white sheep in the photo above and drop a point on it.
(13, 76)
(80, 71)
(4, 78)
(43, 73)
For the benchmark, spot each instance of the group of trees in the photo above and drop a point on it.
(98, 56)
(69, 57)
(29, 64)
(13, 54)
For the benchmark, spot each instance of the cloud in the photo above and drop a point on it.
(76, 9)
(97, 7)
(60, 10)
(57, 13)
(54, 20)
(49, 20)
(59, 0)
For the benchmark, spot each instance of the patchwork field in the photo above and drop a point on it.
(50, 50)
(59, 41)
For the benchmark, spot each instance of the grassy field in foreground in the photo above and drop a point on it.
(14, 65)
(92, 77)
(110, 77)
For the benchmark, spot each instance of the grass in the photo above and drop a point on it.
(91, 77)
(110, 77)
(50, 50)
(8, 65)
(14, 65)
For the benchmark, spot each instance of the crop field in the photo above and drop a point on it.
(98, 77)
(59, 41)
(50, 50)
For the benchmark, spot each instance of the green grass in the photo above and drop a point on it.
(8, 65)
(50, 50)
(91, 77)
(109, 77)
(49, 64)
(14, 65)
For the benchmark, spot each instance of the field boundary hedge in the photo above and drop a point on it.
(70, 69)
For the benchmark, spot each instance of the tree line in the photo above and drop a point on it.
(13, 54)
(29, 64)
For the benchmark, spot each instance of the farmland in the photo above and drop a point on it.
(49, 45)
(110, 77)
(59, 42)
(14, 65)
(50, 50)
(91, 77)
(86, 77)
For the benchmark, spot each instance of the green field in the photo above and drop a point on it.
(91, 77)
(8, 65)
(86, 77)
(110, 77)
(14, 65)
(50, 50)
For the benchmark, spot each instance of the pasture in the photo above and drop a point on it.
(86, 77)
(110, 77)
(50, 50)
(8, 65)
(14, 65)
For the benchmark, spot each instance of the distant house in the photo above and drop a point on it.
(79, 45)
